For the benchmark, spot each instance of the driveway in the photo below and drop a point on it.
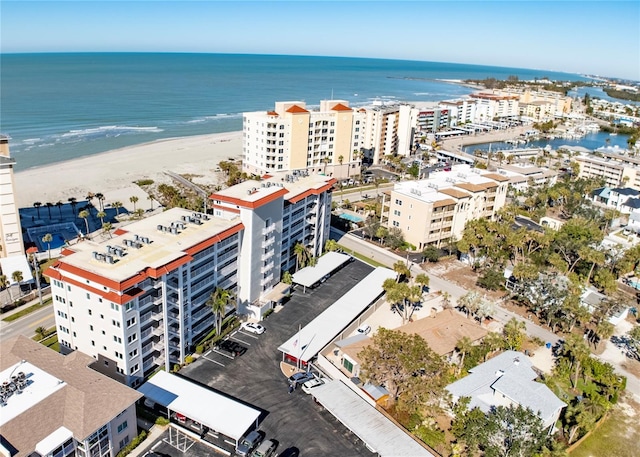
(295, 420)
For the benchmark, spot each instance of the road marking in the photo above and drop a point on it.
(35, 324)
(223, 354)
(214, 361)
(250, 335)
(239, 340)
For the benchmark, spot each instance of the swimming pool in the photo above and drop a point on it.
(351, 217)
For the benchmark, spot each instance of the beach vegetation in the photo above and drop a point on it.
(37, 206)
(144, 182)
(48, 238)
(117, 205)
(233, 172)
(49, 205)
(84, 214)
(133, 199)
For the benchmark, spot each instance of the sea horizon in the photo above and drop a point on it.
(61, 106)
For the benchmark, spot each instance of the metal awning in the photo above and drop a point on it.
(326, 264)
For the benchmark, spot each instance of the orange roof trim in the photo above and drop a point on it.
(341, 107)
(297, 109)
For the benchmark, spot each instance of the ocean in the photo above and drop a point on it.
(58, 107)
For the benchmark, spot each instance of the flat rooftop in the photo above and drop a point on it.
(162, 247)
(288, 185)
(460, 177)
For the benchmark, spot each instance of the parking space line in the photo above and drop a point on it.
(250, 335)
(233, 337)
(214, 361)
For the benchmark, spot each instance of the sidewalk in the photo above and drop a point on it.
(35, 301)
(154, 433)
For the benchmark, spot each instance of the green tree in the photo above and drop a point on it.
(411, 371)
(287, 278)
(431, 253)
(381, 233)
(101, 215)
(401, 269)
(4, 284)
(513, 431)
(37, 206)
(422, 280)
(514, 334)
(302, 255)
(48, 238)
(331, 245)
(107, 227)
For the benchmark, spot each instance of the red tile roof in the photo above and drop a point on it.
(297, 109)
(341, 107)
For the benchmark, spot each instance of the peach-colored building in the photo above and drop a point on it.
(10, 230)
(435, 210)
(293, 137)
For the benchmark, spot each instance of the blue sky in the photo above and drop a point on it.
(595, 37)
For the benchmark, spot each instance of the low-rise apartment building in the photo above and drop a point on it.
(435, 210)
(138, 300)
(495, 105)
(614, 171)
(55, 405)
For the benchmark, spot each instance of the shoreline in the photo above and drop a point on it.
(114, 172)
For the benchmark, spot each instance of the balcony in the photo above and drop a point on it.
(270, 229)
(268, 242)
(267, 255)
(267, 267)
(157, 331)
(266, 280)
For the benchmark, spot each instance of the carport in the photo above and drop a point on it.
(310, 340)
(210, 409)
(376, 431)
(326, 264)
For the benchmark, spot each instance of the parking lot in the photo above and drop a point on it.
(293, 419)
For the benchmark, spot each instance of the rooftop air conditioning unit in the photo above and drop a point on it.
(269, 184)
(94, 255)
(159, 227)
(110, 259)
(136, 237)
(263, 185)
(248, 191)
(174, 231)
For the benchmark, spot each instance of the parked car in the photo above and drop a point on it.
(247, 444)
(364, 329)
(232, 348)
(315, 382)
(299, 378)
(252, 327)
(266, 449)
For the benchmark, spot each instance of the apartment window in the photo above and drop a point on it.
(396, 212)
(134, 368)
(122, 427)
(93, 343)
(129, 306)
(69, 288)
(131, 322)
(348, 365)
(113, 306)
(133, 354)
(88, 296)
(118, 355)
(124, 442)
(282, 127)
(398, 202)
(117, 339)
(90, 312)
(132, 338)
(396, 224)
(91, 327)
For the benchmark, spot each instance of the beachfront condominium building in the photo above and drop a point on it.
(292, 137)
(10, 230)
(461, 111)
(434, 211)
(138, 300)
(490, 106)
(388, 130)
(616, 170)
(58, 406)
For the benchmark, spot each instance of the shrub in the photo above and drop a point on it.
(267, 313)
(491, 280)
(176, 367)
(199, 349)
(144, 182)
(133, 444)
(188, 359)
(162, 421)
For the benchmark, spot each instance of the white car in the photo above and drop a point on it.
(364, 329)
(252, 327)
(315, 382)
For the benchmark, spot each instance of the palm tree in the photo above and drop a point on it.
(59, 205)
(401, 269)
(463, 346)
(106, 228)
(84, 214)
(578, 351)
(446, 300)
(37, 206)
(74, 202)
(150, 198)
(423, 280)
(492, 341)
(100, 198)
(301, 254)
(48, 238)
(101, 215)
(133, 200)
(340, 160)
(325, 161)
(4, 284)
(17, 277)
(331, 245)
(49, 205)
(117, 206)
(41, 332)
(218, 301)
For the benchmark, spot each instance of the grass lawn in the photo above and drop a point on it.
(618, 436)
(362, 257)
(26, 311)
(52, 342)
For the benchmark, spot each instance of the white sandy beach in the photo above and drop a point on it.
(113, 173)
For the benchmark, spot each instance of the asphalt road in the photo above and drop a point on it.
(27, 325)
(255, 378)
